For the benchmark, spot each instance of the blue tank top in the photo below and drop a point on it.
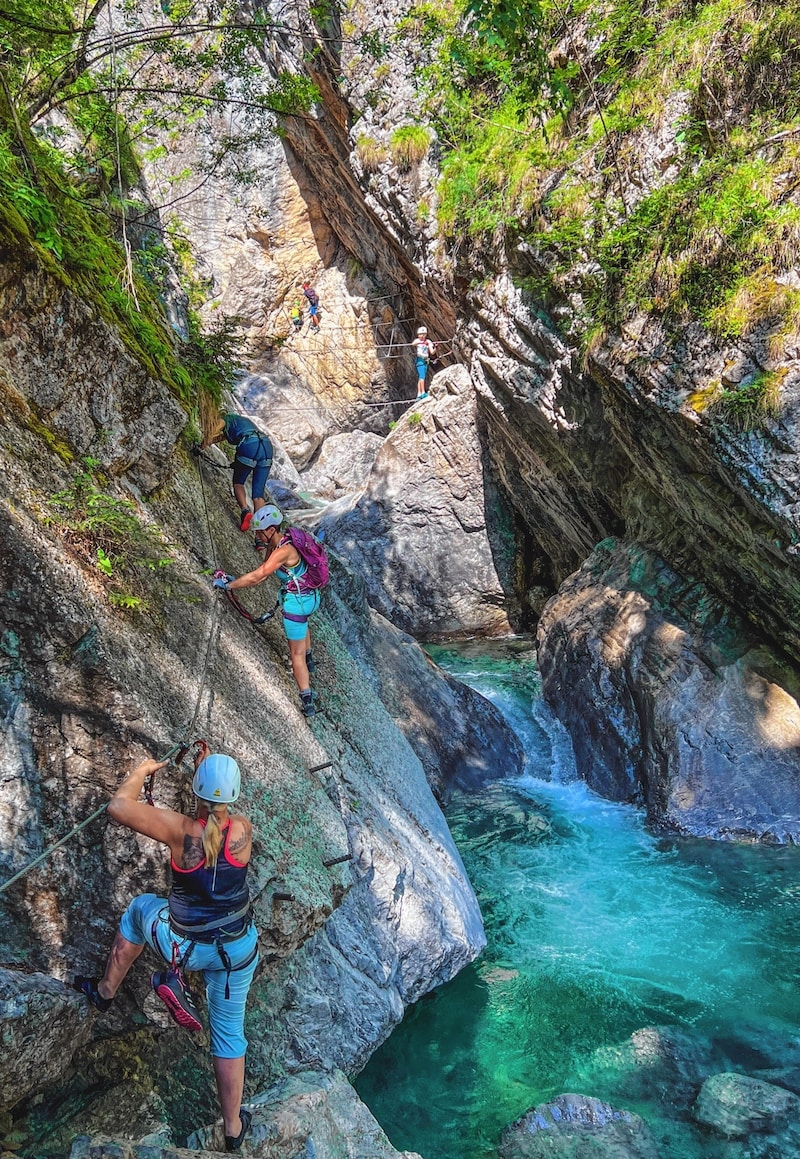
(287, 574)
(201, 895)
(237, 427)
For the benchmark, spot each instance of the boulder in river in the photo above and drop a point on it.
(737, 1105)
(577, 1127)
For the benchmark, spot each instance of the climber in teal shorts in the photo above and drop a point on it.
(300, 596)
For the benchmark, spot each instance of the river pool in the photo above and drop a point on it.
(597, 932)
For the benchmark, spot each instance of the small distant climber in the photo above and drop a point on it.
(297, 317)
(205, 924)
(253, 453)
(300, 563)
(424, 351)
(313, 304)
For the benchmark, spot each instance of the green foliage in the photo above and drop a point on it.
(752, 403)
(212, 358)
(415, 419)
(408, 145)
(108, 532)
(292, 93)
(537, 105)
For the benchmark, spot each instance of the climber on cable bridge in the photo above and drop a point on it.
(424, 354)
(205, 924)
(253, 453)
(313, 304)
(297, 317)
(299, 561)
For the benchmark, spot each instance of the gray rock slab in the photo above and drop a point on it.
(343, 464)
(308, 1115)
(42, 1025)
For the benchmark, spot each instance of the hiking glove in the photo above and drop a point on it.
(223, 581)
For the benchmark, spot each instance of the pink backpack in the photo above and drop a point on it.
(313, 554)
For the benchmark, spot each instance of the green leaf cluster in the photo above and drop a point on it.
(109, 533)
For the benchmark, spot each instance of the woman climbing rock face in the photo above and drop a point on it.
(205, 924)
(300, 583)
(254, 454)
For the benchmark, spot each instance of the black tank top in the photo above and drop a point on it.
(202, 895)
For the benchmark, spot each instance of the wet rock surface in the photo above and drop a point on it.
(671, 699)
(578, 1127)
(736, 1105)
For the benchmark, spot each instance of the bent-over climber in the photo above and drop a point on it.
(253, 453)
(205, 924)
(299, 562)
(424, 351)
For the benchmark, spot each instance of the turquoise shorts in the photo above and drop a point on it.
(295, 605)
(147, 920)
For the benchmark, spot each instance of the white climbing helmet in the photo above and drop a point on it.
(265, 517)
(217, 780)
(422, 330)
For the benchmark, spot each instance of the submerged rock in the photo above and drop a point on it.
(672, 700)
(657, 1063)
(736, 1105)
(577, 1127)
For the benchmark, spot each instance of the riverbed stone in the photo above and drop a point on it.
(737, 1105)
(657, 1063)
(672, 700)
(578, 1127)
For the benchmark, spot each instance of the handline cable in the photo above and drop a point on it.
(67, 836)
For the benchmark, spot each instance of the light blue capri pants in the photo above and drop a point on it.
(147, 920)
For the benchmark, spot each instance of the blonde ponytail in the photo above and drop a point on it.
(212, 834)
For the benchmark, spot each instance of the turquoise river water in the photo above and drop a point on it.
(596, 931)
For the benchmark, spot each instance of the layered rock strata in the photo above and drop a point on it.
(671, 699)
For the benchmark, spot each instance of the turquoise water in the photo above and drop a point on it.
(597, 930)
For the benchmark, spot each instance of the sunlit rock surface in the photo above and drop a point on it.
(671, 699)
(419, 534)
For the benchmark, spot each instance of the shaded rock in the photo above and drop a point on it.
(736, 1105)
(343, 465)
(577, 1127)
(418, 534)
(657, 1063)
(66, 372)
(310, 1114)
(42, 1024)
(671, 699)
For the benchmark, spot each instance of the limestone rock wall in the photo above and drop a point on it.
(86, 687)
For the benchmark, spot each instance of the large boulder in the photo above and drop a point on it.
(419, 532)
(578, 1127)
(672, 700)
(343, 465)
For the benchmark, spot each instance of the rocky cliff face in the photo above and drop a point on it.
(113, 646)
